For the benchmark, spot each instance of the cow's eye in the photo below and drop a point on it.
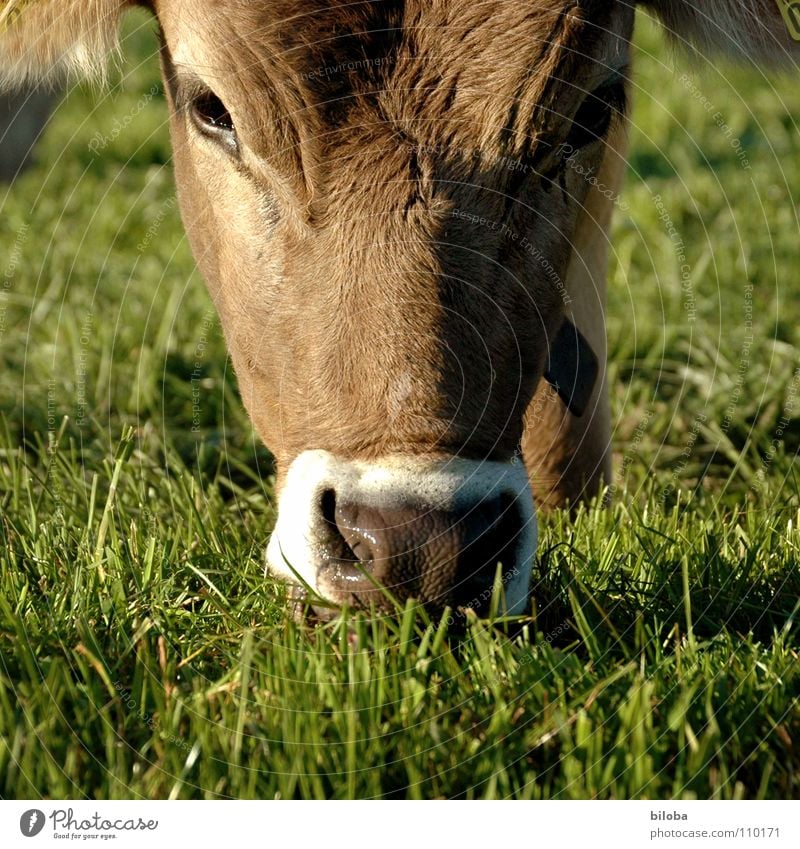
(212, 117)
(595, 114)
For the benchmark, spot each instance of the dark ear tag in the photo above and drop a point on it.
(572, 368)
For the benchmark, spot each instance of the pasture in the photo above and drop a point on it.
(142, 652)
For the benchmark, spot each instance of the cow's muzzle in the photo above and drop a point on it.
(374, 533)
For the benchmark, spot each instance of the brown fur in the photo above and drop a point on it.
(376, 169)
(42, 38)
(569, 457)
(746, 29)
(365, 250)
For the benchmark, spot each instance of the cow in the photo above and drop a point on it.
(401, 211)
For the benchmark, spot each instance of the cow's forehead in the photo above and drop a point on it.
(319, 39)
(463, 73)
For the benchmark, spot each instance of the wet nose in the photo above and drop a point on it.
(362, 531)
(440, 557)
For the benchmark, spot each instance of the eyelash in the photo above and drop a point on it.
(212, 118)
(596, 113)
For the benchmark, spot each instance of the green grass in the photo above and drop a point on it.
(142, 652)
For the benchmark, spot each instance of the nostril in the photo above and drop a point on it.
(337, 546)
(495, 525)
(509, 524)
(496, 528)
(350, 550)
(328, 507)
(360, 528)
(439, 556)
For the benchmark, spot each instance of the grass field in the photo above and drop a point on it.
(143, 654)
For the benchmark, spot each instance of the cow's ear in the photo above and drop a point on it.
(765, 31)
(40, 39)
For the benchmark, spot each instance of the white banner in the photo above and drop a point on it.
(409, 825)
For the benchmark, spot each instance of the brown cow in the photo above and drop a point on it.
(389, 202)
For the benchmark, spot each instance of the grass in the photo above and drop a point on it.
(142, 652)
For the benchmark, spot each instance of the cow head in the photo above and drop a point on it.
(383, 199)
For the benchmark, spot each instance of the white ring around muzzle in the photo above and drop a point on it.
(296, 547)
